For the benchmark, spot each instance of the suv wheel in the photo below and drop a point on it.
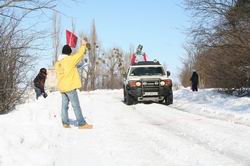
(124, 95)
(161, 101)
(169, 99)
(128, 99)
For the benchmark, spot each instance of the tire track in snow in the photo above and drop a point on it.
(126, 135)
(211, 116)
(155, 143)
(185, 134)
(120, 136)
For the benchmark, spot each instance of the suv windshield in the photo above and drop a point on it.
(149, 71)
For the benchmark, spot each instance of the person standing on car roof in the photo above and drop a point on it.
(138, 55)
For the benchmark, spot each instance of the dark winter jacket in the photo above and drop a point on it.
(195, 78)
(39, 81)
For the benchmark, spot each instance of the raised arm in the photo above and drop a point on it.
(76, 58)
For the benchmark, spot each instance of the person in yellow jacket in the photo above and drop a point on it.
(68, 80)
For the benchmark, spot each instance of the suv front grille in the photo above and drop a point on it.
(150, 86)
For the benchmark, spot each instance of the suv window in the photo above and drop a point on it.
(149, 71)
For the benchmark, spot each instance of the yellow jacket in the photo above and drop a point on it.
(67, 74)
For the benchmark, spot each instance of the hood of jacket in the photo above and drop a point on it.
(62, 56)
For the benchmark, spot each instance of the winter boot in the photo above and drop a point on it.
(66, 126)
(86, 126)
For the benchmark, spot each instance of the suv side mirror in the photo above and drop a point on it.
(168, 73)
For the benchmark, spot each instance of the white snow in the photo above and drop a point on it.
(198, 129)
(210, 103)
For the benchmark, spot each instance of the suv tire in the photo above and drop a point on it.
(169, 99)
(128, 99)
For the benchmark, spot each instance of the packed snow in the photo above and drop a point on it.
(210, 103)
(202, 128)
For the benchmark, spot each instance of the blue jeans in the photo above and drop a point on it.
(38, 92)
(72, 97)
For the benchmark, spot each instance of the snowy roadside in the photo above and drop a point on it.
(142, 134)
(210, 103)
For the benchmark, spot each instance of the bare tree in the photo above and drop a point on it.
(105, 69)
(17, 48)
(89, 74)
(84, 70)
(220, 34)
(114, 63)
(93, 56)
(188, 65)
(24, 7)
(15, 63)
(56, 36)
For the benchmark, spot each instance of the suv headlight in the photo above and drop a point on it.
(138, 83)
(134, 83)
(162, 83)
(166, 82)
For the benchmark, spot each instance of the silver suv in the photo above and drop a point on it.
(147, 81)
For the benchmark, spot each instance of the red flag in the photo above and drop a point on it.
(71, 39)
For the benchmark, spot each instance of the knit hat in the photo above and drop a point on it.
(140, 47)
(66, 50)
(43, 70)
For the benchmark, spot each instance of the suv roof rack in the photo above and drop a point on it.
(147, 63)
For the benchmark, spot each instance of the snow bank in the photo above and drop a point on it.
(210, 103)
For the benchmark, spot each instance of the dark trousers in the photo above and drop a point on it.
(194, 87)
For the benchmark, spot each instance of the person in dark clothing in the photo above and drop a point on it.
(39, 82)
(195, 81)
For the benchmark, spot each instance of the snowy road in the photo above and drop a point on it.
(138, 135)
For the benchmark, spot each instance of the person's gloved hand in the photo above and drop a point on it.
(88, 46)
(86, 43)
(44, 94)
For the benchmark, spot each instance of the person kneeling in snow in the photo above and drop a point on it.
(138, 56)
(39, 82)
(68, 81)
